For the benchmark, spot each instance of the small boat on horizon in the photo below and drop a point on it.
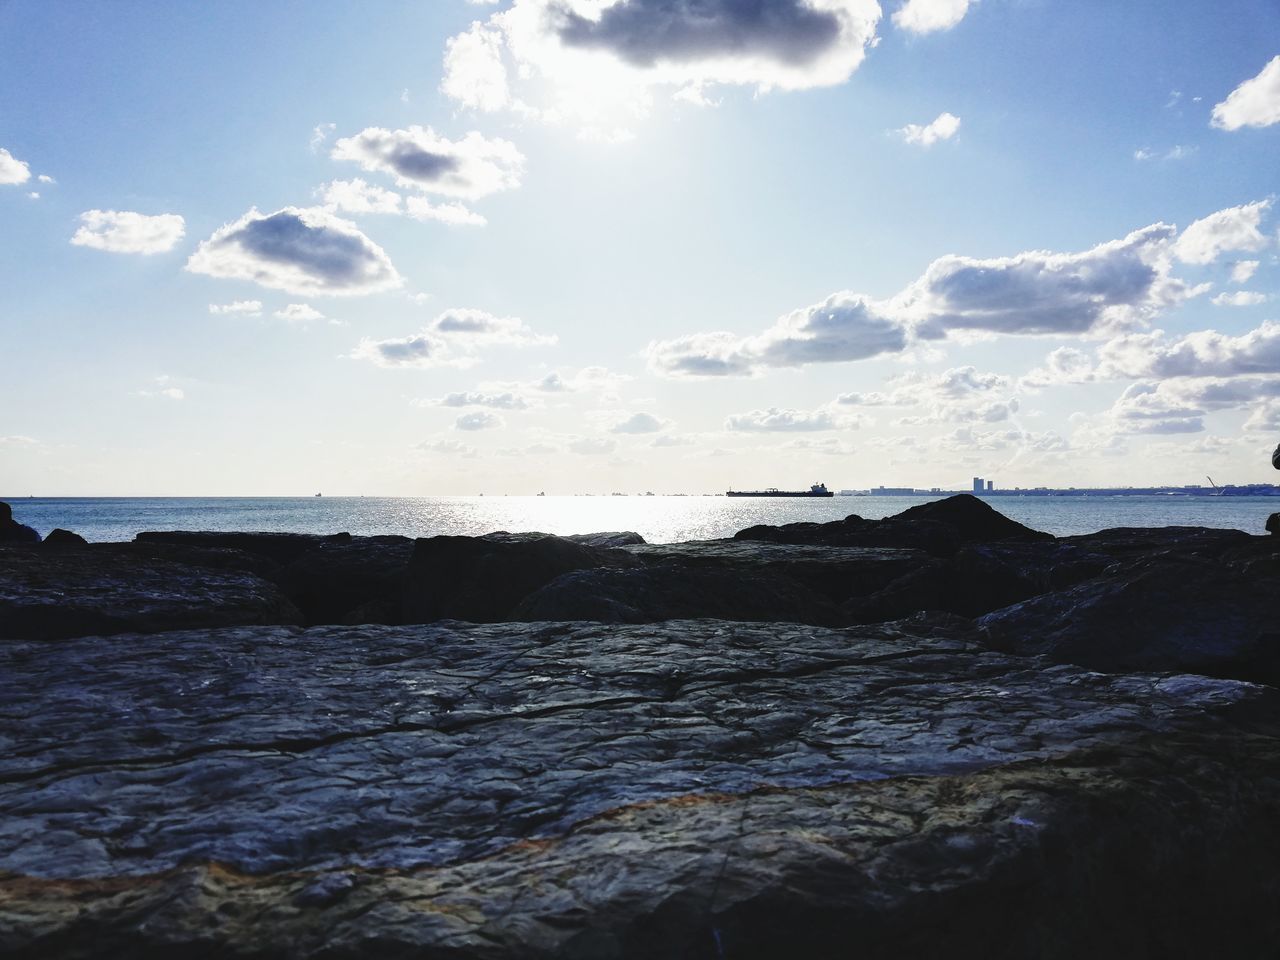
(817, 490)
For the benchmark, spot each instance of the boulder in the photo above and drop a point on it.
(64, 538)
(482, 579)
(338, 578)
(75, 591)
(1184, 613)
(279, 547)
(939, 527)
(1130, 542)
(690, 789)
(617, 538)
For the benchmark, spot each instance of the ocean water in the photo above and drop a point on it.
(657, 519)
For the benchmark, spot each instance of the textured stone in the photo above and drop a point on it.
(75, 591)
(696, 789)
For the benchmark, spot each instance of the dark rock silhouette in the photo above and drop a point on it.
(940, 528)
(280, 547)
(337, 578)
(64, 538)
(677, 790)
(482, 579)
(11, 531)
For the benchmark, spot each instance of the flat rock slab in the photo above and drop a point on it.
(76, 591)
(686, 789)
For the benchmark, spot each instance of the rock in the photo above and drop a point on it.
(940, 528)
(684, 790)
(623, 538)
(279, 547)
(1129, 542)
(670, 592)
(1184, 613)
(482, 579)
(75, 592)
(1273, 524)
(338, 578)
(64, 538)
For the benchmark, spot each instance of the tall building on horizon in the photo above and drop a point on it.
(977, 485)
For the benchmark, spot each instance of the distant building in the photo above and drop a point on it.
(991, 485)
(977, 485)
(891, 491)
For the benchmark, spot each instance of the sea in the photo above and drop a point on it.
(659, 519)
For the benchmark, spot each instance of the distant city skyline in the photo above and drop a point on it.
(480, 246)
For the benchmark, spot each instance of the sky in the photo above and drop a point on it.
(582, 246)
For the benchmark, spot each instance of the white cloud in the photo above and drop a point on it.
(299, 313)
(452, 214)
(928, 16)
(498, 401)
(449, 448)
(775, 420)
(17, 440)
(420, 159)
(12, 170)
(1061, 366)
(1176, 152)
(248, 308)
(303, 251)
(1235, 228)
(357, 196)
(1114, 286)
(1255, 103)
(163, 390)
(452, 338)
(592, 446)
(1240, 298)
(593, 62)
(1243, 271)
(943, 128)
(33, 195)
(673, 440)
(874, 399)
(1203, 354)
(45, 178)
(320, 133)
(122, 231)
(639, 423)
(479, 420)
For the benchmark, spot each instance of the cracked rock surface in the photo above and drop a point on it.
(683, 789)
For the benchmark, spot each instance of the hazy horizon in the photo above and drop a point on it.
(626, 245)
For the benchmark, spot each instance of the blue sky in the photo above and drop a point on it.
(589, 245)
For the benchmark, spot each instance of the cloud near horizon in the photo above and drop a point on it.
(124, 231)
(306, 251)
(775, 420)
(451, 339)
(1115, 286)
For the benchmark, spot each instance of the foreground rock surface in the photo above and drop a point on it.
(690, 789)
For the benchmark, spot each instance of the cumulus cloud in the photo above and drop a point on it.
(596, 379)
(929, 16)
(452, 338)
(1240, 298)
(1206, 353)
(320, 133)
(479, 420)
(589, 60)
(248, 308)
(452, 214)
(1243, 271)
(874, 399)
(639, 423)
(497, 401)
(299, 313)
(1255, 103)
(775, 420)
(968, 440)
(357, 196)
(420, 159)
(1114, 286)
(943, 128)
(1235, 228)
(592, 446)
(1061, 366)
(1144, 408)
(12, 170)
(123, 231)
(303, 251)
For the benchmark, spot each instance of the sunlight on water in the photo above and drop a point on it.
(657, 519)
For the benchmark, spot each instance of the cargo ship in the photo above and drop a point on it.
(817, 490)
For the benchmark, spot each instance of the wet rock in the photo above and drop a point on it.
(74, 592)
(683, 790)
(622, 538)
(64, 538)
(1183, 613)
(482, 579)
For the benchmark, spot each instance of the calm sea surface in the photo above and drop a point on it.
(657, 519)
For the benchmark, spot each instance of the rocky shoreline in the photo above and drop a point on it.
(937, 731)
